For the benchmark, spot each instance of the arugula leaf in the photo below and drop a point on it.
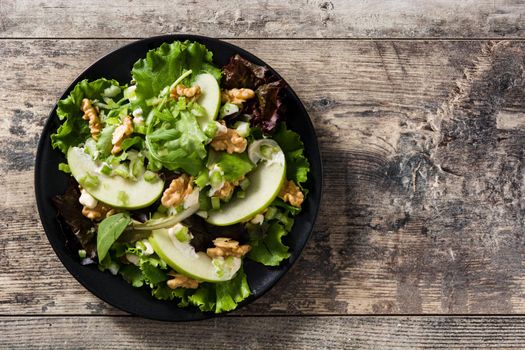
(104, 141)
(163, 65)
(297, 166)
(234, 165)
(270, 250)
(74, 130)
(109, 230)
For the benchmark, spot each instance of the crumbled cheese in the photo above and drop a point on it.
(87, 200)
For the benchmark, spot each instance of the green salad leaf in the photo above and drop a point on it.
(179, 144)
(74, 130)
(222, 296)
(270, 250)
(109, 230)
(234, 165)
(297, 166)
(162, 66)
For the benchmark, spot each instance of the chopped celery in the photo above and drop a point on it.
(270, 213)
(204, 202)
(89, 181)
(216, 179)
(228, 109)
(121, 170)
(215, 202)
(162, 209)
(202, 179)
(105, 169)
(245, 184)
(82, 253)
(122, 197)
(64, 167)
(183, 234)
(243, 128)
(211, 129)
(150, 176)
(241, 194)
(197, 110)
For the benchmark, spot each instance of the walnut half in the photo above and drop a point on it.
(291, 193)
(225, 247)
(120, 133)
(91, 114)
(178, 190)
(188, 92)
(181, 281)
(229, 141)
(237, 96)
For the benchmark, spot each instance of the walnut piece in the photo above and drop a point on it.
(227, 188)
(188, 92)
(237, 96)
(291, 193)
(178, 190)
(120, 133)
(225, 247)
(91, 114)
(181, 281)
(98, 213)
(229, 141)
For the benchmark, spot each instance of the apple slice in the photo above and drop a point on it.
(181, 256)
(265, 183)
(113, 190)
(209, 99)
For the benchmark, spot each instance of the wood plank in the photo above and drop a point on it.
(423, 188)
(258, 332)
(262, 19)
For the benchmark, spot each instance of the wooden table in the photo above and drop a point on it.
(420, 112)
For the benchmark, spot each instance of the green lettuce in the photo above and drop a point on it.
(270, 250)
(297, 166)
(163, 65)
(178, 145)
(234, 165)
(75, 130)
(222, 296)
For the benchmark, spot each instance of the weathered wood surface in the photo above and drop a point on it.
(264, 332)
(262, 19)
(423, 153)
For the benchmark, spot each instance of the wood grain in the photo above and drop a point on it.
(423, 153)
(262, 19)
(264, 332)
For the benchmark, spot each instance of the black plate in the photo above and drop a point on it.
(49, 181)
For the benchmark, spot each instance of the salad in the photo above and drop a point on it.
(180, 175)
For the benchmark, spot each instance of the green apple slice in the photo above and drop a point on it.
(181, 256)
(166, 221)
(265, 183)
(209, 99)
(113, 190)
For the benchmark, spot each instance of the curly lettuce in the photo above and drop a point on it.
(73, 130)
(163, 65)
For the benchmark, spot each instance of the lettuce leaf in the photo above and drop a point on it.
(297, 166)
(75, 130)
(234, 165)
(180, 145)
(270, 250)
(163, 65)
(241, 73)
(82, 231)
(223, 296)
